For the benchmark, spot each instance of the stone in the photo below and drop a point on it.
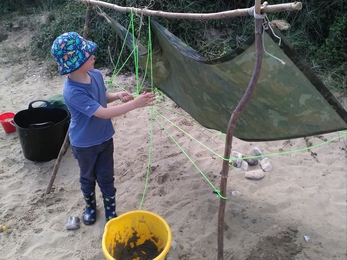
(257, 152)
(252, 161)
(265, 165)
(255, 175)
(244, 165)
(236, 193)
(173, 252)
(236, 163)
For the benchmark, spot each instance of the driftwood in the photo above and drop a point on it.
(265, 8)
(62, 151)
(231, 127)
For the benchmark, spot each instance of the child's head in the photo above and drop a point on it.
(71, 51)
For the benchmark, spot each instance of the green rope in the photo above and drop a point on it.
(252, 157)
(149, 158)
(297, 150)
(152, 123)
(232, 158)
(168, 120)
(110, 81)
(149, 58)
(136, 53)
(150, 49)
(115, 73)
(203, 175)
(188, 118)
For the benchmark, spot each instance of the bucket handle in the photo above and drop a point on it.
(48, 105)
(41, 125)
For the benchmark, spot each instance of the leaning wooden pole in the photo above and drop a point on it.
(231, 127)
(62, 151)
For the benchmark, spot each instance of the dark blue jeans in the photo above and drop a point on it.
(96, 165)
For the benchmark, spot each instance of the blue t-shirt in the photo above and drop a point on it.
(83, 100)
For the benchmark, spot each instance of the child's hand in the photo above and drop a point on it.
(145, 99)
(125, 96)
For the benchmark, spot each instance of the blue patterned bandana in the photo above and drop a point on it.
(71, 51)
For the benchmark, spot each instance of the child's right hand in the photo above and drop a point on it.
(145, 99)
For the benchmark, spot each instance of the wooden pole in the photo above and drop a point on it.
(62, 151)
(87, 21)
(197, 16)
(231, 127)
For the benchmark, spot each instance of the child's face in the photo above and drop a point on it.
(88, 65)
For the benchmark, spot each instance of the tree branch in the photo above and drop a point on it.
(265, 8)
(87, 21)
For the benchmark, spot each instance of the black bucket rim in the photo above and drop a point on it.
(27, 113)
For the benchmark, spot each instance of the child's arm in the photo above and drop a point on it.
(123, 96)
(143, 100)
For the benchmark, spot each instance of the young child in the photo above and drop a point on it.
(91, 129)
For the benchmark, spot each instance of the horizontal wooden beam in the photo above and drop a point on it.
(265, 8)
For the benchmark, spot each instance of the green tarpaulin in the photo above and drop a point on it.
(289, 100)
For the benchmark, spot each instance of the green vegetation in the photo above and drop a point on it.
(318, 32)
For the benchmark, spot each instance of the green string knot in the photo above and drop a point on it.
(219, 195)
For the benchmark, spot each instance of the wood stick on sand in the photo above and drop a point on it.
(62, 151)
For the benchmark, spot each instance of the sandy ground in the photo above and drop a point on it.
(303, 195)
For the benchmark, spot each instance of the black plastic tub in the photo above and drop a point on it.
(42, 131)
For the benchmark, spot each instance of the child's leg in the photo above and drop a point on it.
(105, 178)
(104, 168)
(86, 158)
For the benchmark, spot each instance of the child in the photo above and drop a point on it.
(91, 129)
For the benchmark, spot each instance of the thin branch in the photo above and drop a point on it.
(62, 151)
(265, 8)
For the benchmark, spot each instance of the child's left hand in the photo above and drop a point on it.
(125, 96)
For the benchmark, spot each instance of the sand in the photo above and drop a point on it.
(303, 195)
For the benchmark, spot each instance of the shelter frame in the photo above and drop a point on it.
(256, 11)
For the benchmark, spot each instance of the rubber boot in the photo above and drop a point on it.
(110, 207)
(89, 215)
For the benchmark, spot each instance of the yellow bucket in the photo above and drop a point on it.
(134, 229)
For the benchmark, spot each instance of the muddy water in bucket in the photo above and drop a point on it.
(6, 120)
(133, 250)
